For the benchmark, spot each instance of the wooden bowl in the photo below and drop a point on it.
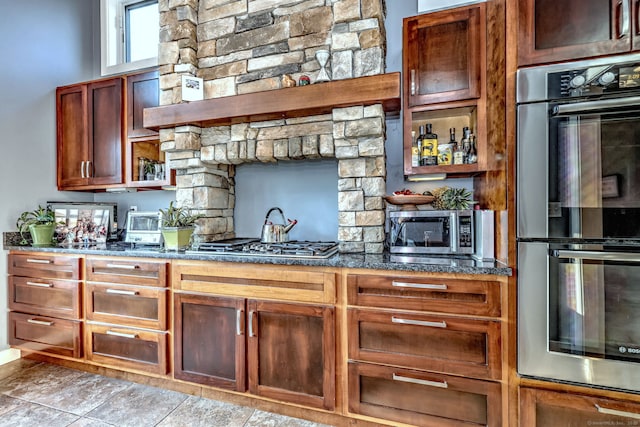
(409, 202)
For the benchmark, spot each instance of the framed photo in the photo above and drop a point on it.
(82, 224)
(192, 88)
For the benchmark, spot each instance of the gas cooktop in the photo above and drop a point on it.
(253, 247)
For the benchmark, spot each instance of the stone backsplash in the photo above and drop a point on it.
(246, 46)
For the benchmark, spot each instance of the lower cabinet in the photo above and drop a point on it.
(543, 408)
(422, 398)
(131, 348)
(288, 349)
(45, 334)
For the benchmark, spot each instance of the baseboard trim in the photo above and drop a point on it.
(9, 355)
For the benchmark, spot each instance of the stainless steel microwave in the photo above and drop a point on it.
(431, 232)
(144, 228)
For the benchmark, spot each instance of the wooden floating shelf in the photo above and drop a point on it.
(299, 101)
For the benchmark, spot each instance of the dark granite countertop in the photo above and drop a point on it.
(440, 264)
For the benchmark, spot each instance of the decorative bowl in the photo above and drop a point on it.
(409, 202)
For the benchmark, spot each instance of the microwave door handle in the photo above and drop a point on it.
(600, 256)
(631, 101)
(453, 231)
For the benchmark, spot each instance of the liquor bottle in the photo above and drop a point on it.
(429, 148)
(466, 143)
(473, 152)
(415, 150)
(458, 153)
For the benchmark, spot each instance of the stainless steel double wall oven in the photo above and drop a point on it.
(578, 211)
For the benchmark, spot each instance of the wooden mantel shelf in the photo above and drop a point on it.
(296, 101)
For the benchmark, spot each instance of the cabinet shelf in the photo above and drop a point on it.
(291, 102)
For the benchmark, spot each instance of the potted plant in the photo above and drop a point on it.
(41, 224)
(178, 224)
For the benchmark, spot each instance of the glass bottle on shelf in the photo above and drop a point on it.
(415, 150)
(458, 153)
(473, 152)
(429, 148)
(465, 142)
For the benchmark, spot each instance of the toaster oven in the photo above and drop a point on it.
(144, 228)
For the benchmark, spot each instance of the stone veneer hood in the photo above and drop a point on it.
(241, 47)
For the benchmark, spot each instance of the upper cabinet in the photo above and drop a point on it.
(89, 134)
(444, 72)
(101, 140)
(550, 31)
(442, 55)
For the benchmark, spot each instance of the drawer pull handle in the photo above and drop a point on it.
(442, 287)
(121, 292)
(239, 315)
(251, 331)
(39, 261)
(125, 266)
(40, 285)
(440, 384)
(40, 322)
(442, 324)
(617, 412)
(122, 334)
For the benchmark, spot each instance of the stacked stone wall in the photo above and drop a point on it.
(246, 46)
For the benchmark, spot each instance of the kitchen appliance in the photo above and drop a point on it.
(276, 233)
(578, 222)
(255, 248)
(431, 232)
(85, 222)
(144, 228)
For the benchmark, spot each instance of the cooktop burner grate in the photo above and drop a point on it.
(254, 247)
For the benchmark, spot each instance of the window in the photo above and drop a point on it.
(130, 34)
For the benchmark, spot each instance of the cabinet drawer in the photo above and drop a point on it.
(422, 399)
(472, 297)
(46, 334)
(127, 348)
(47, 297)
(139, 306)
(453, 345)
(129, 272)
(45, 266)
(545, 408)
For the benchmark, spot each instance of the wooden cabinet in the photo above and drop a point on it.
(291, 352)
(444, 81)
(442, 55)
(143, 145)
(422, 398)
(45, 297)
(545, 408)
(419, 347)
(549, 31)
(126, 304)
(210, 340)
(287, 348)
(89, 134)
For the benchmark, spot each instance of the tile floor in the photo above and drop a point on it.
(38, 394)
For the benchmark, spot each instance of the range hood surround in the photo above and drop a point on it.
(244, 47)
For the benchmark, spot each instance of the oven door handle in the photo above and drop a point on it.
(631, 101)
(601, 256)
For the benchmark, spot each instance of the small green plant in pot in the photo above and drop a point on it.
(178, 224)
(40, 223)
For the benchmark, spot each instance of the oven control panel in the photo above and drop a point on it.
(603, 79)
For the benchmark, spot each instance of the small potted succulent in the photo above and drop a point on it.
(178, 224)
(40, 223)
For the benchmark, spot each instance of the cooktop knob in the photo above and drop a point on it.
(606, 78)
(577, 81)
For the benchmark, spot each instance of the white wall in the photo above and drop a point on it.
(43, 44)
